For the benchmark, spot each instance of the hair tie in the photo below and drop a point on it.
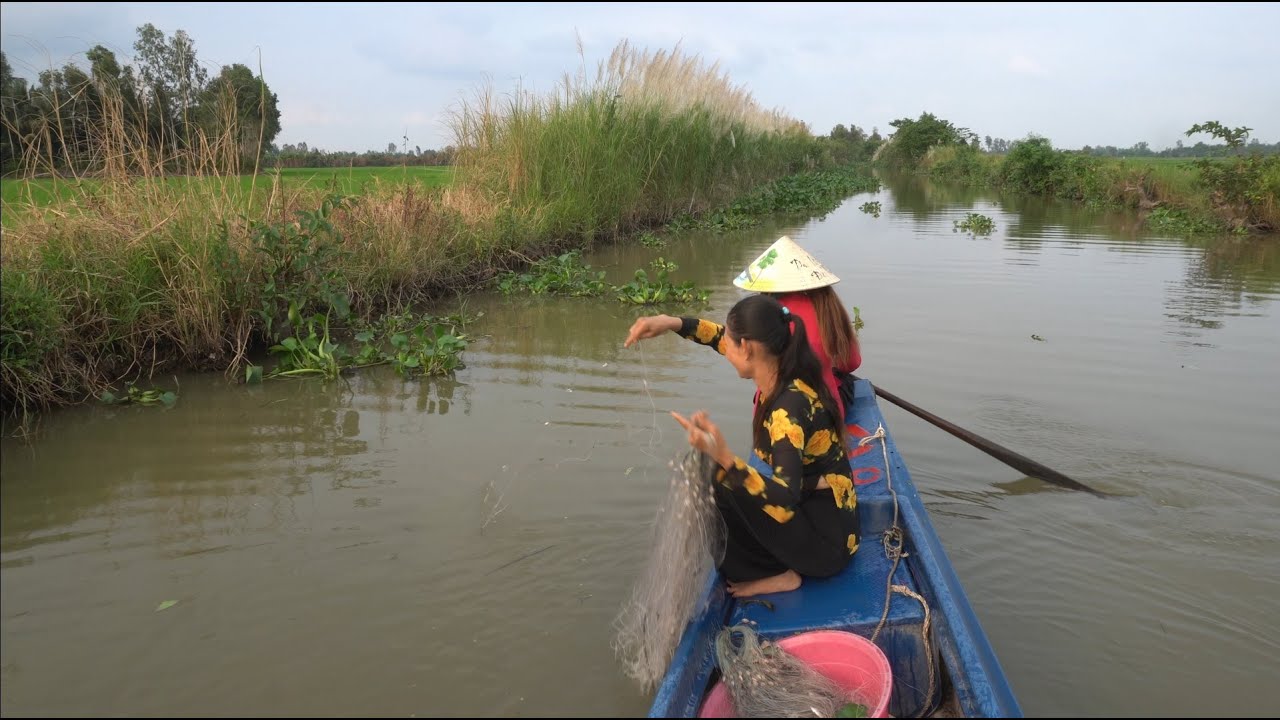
(786, 310)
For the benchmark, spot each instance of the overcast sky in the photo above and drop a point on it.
(355, 77)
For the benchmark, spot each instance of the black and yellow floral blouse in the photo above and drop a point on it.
(804, 447)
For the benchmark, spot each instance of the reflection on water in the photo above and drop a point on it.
(1233, 276)
(387, 546)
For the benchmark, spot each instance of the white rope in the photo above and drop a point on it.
(928, 648)
(892, 540)
(879, 433)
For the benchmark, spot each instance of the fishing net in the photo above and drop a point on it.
(687, 545)
(766, 681)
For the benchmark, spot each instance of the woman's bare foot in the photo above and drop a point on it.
(786, 582)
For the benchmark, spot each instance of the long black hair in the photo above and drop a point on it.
(783, 335)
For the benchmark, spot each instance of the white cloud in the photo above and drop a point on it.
(311, 115)
(1023, 65)
(418, 117)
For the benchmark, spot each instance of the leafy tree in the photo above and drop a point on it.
(240, 105)
(171, 80)
(850, 144)
(1032, 165)
(1234, 137)
(14, 106)
(111, 78)
(914, 138)
(163, 100)
(1245, 187)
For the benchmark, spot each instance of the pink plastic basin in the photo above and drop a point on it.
(852, 661)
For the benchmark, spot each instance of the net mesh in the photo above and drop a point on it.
(766, 681)
(687, 544)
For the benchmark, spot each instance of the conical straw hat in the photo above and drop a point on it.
(784, 267)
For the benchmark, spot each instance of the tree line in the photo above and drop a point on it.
(300, 155)
(1180, 150)
(159, 109)
(852, 144)
(161, 112)
(1001, 146)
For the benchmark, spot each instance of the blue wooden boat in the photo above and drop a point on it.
(954, 673)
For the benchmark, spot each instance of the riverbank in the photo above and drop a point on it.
(1201, 196)
(138, 271)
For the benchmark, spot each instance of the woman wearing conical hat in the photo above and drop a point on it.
(803, 286)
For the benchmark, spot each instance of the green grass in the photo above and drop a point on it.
(347, 181)
(36, 192)
(352, 181)
(1176, 176)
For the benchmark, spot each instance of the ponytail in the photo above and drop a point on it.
(784, 336)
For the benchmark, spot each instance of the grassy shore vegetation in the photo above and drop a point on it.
(1236, 193)
(19, 192)
(149, 252)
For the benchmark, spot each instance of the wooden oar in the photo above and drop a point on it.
(1021, 463)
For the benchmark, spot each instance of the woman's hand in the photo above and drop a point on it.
(651, 326)
(705, 437)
